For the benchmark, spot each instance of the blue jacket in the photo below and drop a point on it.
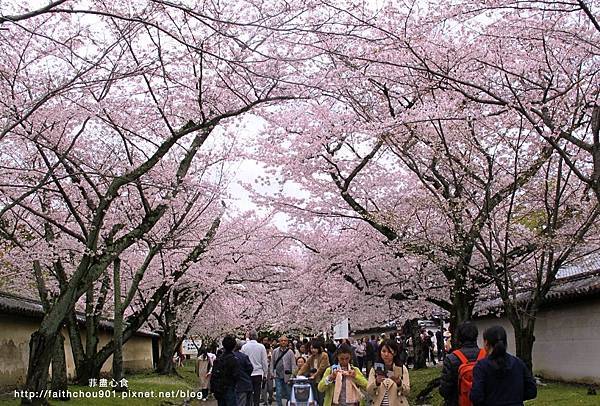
(244, 382)
(493, 387)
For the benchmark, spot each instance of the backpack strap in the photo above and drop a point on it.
(281, 355)
(463, 359)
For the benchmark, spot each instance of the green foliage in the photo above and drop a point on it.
(533, 220)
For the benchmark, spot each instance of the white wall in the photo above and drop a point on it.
(567, 341)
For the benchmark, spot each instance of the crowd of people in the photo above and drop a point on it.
(368, 370)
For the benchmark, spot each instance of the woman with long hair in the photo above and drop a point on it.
(501, 378)
(203, 369)
(389, 383)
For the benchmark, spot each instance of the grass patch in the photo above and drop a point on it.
(146, 383)
(555, 393)
(419, 380)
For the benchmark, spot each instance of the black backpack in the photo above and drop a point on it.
(220, 377)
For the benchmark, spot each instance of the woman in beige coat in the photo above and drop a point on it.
(389, 382)
(203, 369)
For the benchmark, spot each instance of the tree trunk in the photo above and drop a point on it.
(59, 368)
(463, 302)
(117, 367)
(41, 348)
(41, 345)
(169, 339)
(412, 328)
(89, 369)
(76, 346)
(87, 363)
(524, 338)
(167, 351)
(91, 334)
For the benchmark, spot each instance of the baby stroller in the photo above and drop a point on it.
(302, 392)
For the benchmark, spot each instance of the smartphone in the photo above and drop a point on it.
(379, 368)
(334, 368)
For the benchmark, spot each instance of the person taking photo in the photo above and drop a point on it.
(389, 383)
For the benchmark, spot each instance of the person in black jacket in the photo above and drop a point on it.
(225, 373)
(466, 336)
(501, 379)
(439, 340)
(371, 350)
(244, 387)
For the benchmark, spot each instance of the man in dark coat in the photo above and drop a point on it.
(243, 387)
(371, 349)
(225, 374)
(466, 336)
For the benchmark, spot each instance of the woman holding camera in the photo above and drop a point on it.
(315, 367)
(342, 383)
(388, 380)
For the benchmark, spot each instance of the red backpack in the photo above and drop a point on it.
(465, 376)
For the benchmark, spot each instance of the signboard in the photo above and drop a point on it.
(189, 348)
(341, 330)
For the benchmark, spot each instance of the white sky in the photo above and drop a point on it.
(248, 172)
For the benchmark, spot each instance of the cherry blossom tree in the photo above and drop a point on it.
(244, 265)
(536, 61)
(94, 169)
(432, 98)
(542, 229)
(426, 184)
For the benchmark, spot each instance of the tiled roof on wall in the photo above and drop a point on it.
(20, 306)
(588, 265)
(576, 286)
